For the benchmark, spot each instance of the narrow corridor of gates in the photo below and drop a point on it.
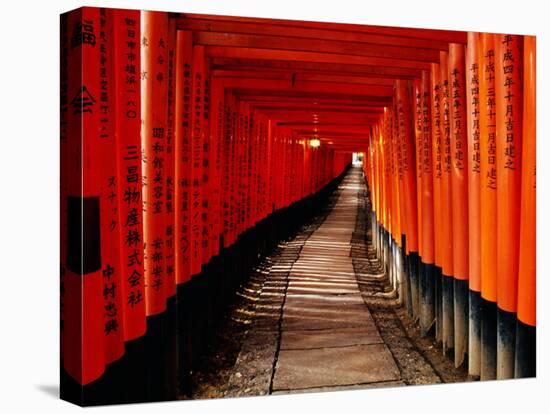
(324, 316)
(195, 147)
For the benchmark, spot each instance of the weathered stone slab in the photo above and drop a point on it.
(326, 318)
(325, 367)
(336, 337)
(383, 384)
(325, 288)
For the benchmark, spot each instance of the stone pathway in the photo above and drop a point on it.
(328, 336)
(319, 315)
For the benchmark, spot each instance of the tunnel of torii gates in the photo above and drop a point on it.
(205, 140)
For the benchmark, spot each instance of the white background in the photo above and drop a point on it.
(29, 173)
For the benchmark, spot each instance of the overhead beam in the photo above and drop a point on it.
(299, 56)
(315, 45)
(212, 25)
(319, 67)
(452, 36)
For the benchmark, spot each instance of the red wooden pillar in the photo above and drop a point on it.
(154, 118)
(83, 344)
(197, 173)
(437, 159)
(418, 131)
(473, 74)
(431, 202)
(459, 197)
(446, 238)
(488, 200)
(525, 358)
(182, 155)
(509, 117)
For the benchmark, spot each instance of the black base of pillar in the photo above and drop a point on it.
(526, 351)
(474, 317)
(414, 285)
(488, 340)
(461, 311)
(427, 298)
(506, 343)
(447, 303)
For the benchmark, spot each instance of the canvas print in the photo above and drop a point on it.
(259, 206)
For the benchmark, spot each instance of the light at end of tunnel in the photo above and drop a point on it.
(314, 143)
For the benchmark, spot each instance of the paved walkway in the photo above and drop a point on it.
(303, 322)
(328, 336)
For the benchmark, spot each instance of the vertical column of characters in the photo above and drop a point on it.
(253, 180)
(398, 191)
(257, 158)
(474, 206)
(430, 110)
(281, 174)
(153, 141)
(415, 267)
(274, 156)
(206, 183)
(447, 282)
(248, 164)
(393, 136)
(83, 352)
(216, 131)
(488, 201)
(182, 151)
(379, 167)
(376, 144)
(239, 160)
(281, 171)
(234, 157)
(230, 161)
(236, 179)
(459, 197)
(437, 158)
(107, 174)
(509, 117)
(377, 186)
(385, 135)
(408, 163)
(127, 72)
(245, 182)
(197, 141)
(396, 136)
(288, 167)
(525, 358)
(262, 169)
(395, 171)
(373, 165)
(170, 160)
(268, 165)
(227, 167)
